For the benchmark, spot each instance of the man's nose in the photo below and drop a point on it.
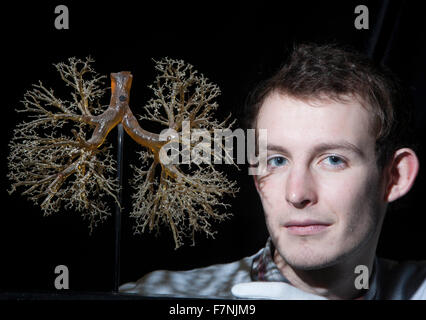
(300, 188)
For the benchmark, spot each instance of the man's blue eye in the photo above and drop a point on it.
(335, 161)
(277, 161)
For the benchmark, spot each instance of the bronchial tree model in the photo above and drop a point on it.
(60, 157)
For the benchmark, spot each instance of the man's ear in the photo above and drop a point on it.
(402, 173)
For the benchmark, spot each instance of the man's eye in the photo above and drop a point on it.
(335, 161)
(277, 161)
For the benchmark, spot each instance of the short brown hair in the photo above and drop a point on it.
(330, 71)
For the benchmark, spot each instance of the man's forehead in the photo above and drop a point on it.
(315, 124)
(290, 104)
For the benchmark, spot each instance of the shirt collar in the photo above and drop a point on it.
(264, 268)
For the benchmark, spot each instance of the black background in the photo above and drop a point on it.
(233, 44)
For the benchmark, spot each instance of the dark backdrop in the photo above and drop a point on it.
(234, 45)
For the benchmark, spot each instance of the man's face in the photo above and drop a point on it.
(322, 195)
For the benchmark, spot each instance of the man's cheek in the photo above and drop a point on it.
(338, 185)
(343, 194)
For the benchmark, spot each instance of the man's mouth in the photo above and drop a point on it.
(306, 227)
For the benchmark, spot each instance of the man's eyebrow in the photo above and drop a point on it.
(343, 145)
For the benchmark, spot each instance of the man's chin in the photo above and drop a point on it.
(310, 266)
(311, 261)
